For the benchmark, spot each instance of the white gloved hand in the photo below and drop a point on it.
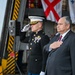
(42, 73)
(26, 28)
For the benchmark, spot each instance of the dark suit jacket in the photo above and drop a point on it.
(62, 60)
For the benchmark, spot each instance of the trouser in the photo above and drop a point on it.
(29, 73)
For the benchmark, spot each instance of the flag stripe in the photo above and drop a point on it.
(50, 10)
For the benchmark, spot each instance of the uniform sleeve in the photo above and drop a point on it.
(45, 40)
(23, 37)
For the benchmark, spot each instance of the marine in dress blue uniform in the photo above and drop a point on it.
(37, 40)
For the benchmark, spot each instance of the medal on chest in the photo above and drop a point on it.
(37, 39)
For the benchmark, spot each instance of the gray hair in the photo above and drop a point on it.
(68, 20)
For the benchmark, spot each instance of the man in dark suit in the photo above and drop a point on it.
(61, 58)
(36, 40)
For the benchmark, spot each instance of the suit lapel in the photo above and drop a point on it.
(67, 35)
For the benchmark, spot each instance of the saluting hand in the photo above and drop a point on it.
(26, 28)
